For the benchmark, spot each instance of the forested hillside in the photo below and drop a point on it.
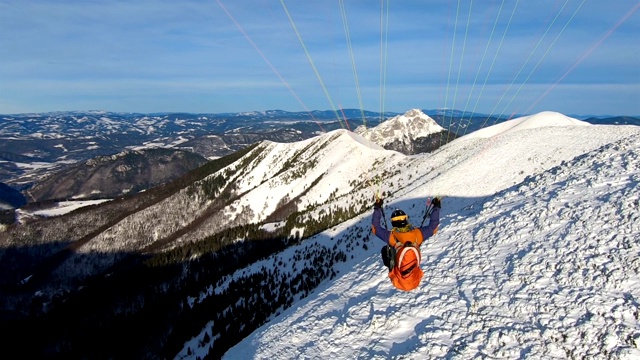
(128, 268)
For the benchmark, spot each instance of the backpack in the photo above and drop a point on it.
(406, 273)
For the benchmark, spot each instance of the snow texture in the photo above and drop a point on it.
(538, 256)
(60, 208)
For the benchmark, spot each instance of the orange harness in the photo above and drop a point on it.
(406, 275)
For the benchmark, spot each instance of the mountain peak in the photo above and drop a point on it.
(415, 113)
(539, 120)
(418, 120)
(403, 132)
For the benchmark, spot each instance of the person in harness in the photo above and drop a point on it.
(402, 252)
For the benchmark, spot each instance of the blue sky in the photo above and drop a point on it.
(491, 56)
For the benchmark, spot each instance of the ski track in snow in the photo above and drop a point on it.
(548, 268)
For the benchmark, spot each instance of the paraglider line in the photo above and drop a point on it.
(542, 58)
(495, 57)
(313, 66)
(353, 60)
(384, 41)
(446, 93)
(586, 54)
(464, 45)
(275, 71)
(345, 118)
(525, 63)
(475, 80)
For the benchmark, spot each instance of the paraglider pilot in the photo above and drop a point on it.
(402, 232)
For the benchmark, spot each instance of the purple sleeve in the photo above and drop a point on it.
(434, 221)
(382, 233)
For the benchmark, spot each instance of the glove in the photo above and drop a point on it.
(378, 203)
(436, 203)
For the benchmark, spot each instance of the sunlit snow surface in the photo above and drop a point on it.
(538, 256)
(61, 208)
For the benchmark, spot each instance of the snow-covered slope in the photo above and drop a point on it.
(475, 166)
(287, 171)
(543, 119)
(537, 256)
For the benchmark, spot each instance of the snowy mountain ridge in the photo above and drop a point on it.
(273, 176)
(535, 121)
(312, 171)
(545, 269)
(468, 172)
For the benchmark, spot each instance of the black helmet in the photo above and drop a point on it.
(399, 218)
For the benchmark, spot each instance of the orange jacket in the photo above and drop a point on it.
(387, 236)
(397, 239)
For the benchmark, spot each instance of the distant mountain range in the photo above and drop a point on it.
(112, 176)
(35, 146)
